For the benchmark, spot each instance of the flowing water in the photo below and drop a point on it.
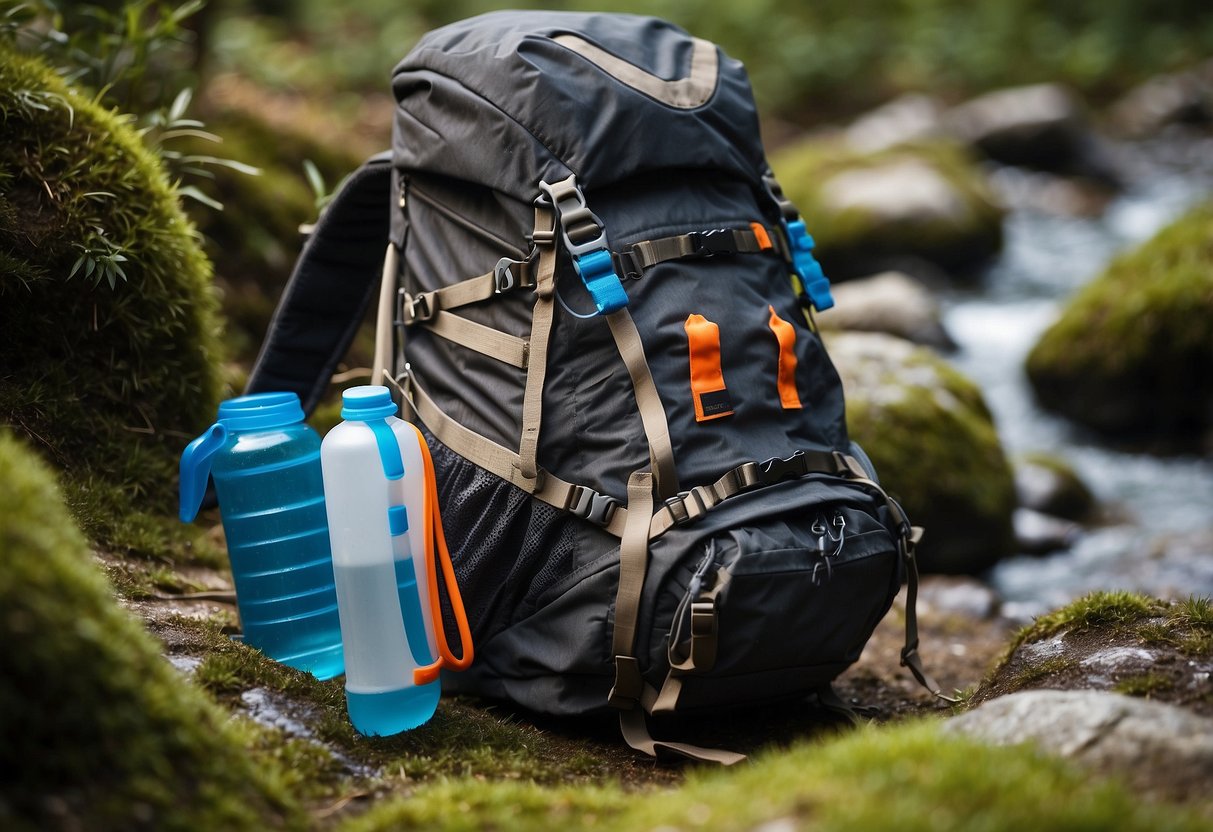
(1161, 541)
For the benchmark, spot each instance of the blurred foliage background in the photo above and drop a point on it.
(807, 60)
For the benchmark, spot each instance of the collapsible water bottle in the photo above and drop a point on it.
(383, 524)
(266, 465)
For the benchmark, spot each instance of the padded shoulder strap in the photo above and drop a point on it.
(334, 279)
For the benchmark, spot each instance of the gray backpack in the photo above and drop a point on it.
(597, 304)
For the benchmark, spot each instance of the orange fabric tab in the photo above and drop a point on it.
(760, 234)
(785, 334)
(707, 379)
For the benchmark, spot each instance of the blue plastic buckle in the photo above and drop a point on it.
(816, 284)
(598, 273)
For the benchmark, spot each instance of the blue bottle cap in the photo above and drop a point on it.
(261, 411)
(370, 401)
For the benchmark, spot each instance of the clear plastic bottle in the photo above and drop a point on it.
(374, 479)
(266, 466)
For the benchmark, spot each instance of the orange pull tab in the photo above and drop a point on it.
(785, 334)
(434, 533)
(707, 380)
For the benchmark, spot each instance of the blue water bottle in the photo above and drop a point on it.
(266, 465)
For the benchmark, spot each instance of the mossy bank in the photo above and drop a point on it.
(110, 351)
(100, 732)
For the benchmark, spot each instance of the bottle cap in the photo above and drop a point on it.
(261, 411)
(371, 401)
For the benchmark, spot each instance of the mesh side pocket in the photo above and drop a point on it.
(507, 548)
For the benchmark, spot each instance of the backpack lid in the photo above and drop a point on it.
(508, 99)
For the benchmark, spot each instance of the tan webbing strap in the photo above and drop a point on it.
(909, 653)
(482, 339)
(541, 328)
(629, 691)
(652, 412)
(494, 458)
(385, 316)
(633, 563)
(424, 305)
(704, 638)
(636, 734)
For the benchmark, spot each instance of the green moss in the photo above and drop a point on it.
(854, 241)
(1034, 673)
(100, 731)
(1118, 612)
(462, 739)
(106, 382)
(1144, 685)
(1132, 352)
(912, 773)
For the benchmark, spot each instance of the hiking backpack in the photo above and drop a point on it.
(596, 302)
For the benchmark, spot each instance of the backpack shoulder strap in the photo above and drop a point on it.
(335, 278)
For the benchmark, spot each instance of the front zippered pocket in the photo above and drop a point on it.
(792, 598)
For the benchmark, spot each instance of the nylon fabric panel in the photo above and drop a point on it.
(446, 128)
(555, 661)
(775, 614)
(590, 123)
(482, 394)
(738, 293)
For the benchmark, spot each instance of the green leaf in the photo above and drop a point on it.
(180, 104)
(193, 193)
(314, 178)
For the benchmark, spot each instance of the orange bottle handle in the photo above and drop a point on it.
(433, 531)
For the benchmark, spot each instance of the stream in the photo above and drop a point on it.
(1160, 538)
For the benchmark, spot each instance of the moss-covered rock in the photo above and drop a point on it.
(1113, 641)
(1049, 484)
(100, 732)
(1132, 353)
(932, 439)
(106, 372)
(869, 212)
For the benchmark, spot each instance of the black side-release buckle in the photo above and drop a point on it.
(590, 505)
(776, 470)
(717, 241)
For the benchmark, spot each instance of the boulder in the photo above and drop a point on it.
(1131, 354)
(909, 118)
(871, 212)
(930, 435)
(1037, 533)
(1050, 485)
(1160, 749)
(1177, 98)
(1041, 126)
(890, 302)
